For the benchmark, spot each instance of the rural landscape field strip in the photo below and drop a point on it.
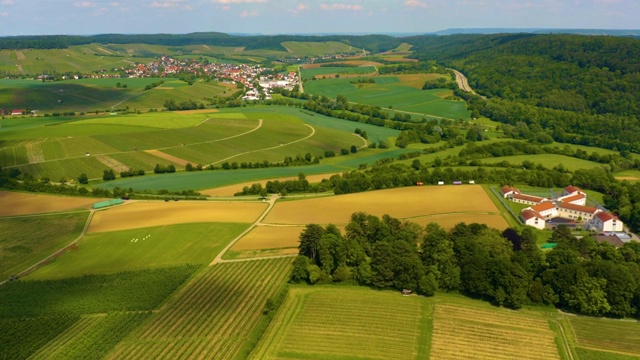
(212, 315)
(461, 332)
(28, 239)
(158, 213)
(55, 345)
(350, 323)
(620, 336)
(402, 203)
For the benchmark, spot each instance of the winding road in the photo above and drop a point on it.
(463, 82)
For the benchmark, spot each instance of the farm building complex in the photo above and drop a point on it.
(571, 206)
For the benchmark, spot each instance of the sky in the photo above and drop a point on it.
(86, 17)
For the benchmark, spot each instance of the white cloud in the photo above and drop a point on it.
(84, 4)
(416, 4)
(299, 8)
(4, 14)
(238, 1)
(170, 4)
(341, 7)
(249, 14)
(7, 2)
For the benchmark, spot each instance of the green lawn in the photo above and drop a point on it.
(155, 247)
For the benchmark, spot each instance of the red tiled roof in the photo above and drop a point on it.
(531, 198)
(605, 216)
(547, 205)
(575, 197)
(584, 209)
(528, 214)
(571, 189)
(506, 189)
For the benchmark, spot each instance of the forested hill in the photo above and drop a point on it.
(373, 43)
(582, 89)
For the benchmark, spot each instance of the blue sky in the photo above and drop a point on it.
(37, 17)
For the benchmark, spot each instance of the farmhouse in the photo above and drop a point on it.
(571, 205)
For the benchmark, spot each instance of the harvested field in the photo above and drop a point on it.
(143, 214)
(448, 221)
(166, 156)
(269, 237)
(461, 332)
(628, 178)
(112, 163)
(14, 203)
(402, 203)
(230, 190)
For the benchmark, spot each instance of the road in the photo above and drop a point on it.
(218, 259)
(463, 82)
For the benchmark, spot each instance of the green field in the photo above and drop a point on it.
(333, 70)
(155, 247)
(618, 336)
(123, 291)
(91, 145)
(298, 48)
(547, 160)
(213, 316)
(88, 95)
(348, 323)
(26, 240)
(390, 91)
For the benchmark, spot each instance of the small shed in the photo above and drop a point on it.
(406, 292)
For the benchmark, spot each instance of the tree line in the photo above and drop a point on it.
(505, 268)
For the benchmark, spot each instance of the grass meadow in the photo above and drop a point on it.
(28, 239)
(126, 250)
(332, 71)
(398, 92)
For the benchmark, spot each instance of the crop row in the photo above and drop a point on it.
(348, 323)
(131, 291)
(477, 333)
(20, 337)
(607, 334)
(213, 314)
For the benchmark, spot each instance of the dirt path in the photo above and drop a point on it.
(218, 259)
(300, 80)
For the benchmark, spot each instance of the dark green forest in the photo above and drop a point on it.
(507, 269)
(581, 89)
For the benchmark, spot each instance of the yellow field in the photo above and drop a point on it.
(144, 214)
(448, 221)
(401, 203)
(166, 156)
(14, 203)
(461, 332)
(270, 237)
(232, 189)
